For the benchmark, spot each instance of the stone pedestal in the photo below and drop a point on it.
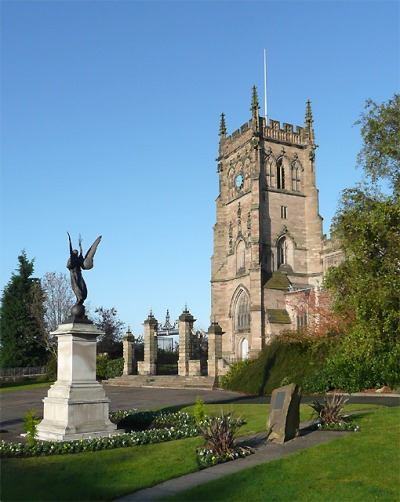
(186, 321)
(76, 406)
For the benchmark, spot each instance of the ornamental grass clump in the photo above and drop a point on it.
(219, 433)
(330, 411)
(330, 416)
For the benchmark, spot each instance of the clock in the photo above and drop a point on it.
(239, 181)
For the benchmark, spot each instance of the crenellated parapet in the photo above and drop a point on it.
(270, 130)
(286, 133)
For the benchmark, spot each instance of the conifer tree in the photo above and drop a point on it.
(21, 321)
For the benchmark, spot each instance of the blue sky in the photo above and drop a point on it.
(110, 117)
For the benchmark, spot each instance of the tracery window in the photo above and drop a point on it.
(301, 321)
(242, 316)
(280, 174)
(269, 172)
(282, 250)
(296, 179)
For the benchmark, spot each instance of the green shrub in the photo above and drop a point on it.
(101, 366)
(235, 372)
(289, 359)
(115, 367)
(30, 423)
(108, 368)
(357, 362)
(199, 410)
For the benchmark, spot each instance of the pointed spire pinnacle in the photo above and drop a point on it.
(254, 102)
(222, 126)
(308, 124)
(309, 118)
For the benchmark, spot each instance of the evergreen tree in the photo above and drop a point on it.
(21, 320)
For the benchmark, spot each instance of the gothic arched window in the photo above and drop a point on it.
(242, 314)
(280, 174)
(282, 249)
(296, 179)
(269, 172)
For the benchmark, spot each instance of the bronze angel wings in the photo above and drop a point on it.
(86, 262)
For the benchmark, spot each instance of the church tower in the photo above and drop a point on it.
(268, 231)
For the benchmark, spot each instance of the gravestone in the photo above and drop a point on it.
(284, 416)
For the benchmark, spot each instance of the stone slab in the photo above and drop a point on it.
(284, 416)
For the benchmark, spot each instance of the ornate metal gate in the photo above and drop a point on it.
(199, 349)
(167, 348)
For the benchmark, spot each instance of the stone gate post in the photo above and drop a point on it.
(186, 321)
(129, 353)
(148, 366)
(215, 361)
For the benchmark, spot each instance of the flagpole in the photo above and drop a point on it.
(265, 88)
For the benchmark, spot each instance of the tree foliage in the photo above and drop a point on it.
(59, 298)
(314, 307)
(21, 321)
(366, 285)
(380, 130)
(112, 327)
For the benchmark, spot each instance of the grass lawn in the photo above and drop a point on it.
(24, 385)
(105, 475)
(255, 415)
(362, 466)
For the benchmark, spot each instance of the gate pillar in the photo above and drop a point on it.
(148, 366)
(215, 360)
(186, 321)
(129, 353)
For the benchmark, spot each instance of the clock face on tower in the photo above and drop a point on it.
(239, 181)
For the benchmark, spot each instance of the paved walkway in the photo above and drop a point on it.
(264, 452)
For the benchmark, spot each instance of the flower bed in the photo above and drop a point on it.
(183, 427)
(207, 458)
(342, 425)
(159, 427)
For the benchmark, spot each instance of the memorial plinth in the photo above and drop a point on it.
(76, 406)
(284, 416)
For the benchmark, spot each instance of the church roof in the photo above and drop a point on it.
(278, 316)
(278, 281)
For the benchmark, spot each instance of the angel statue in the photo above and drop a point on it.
(76, 263)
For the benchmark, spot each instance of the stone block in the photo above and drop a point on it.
(284, 416)
(194, 367)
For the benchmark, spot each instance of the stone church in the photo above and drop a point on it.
(268, 238)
